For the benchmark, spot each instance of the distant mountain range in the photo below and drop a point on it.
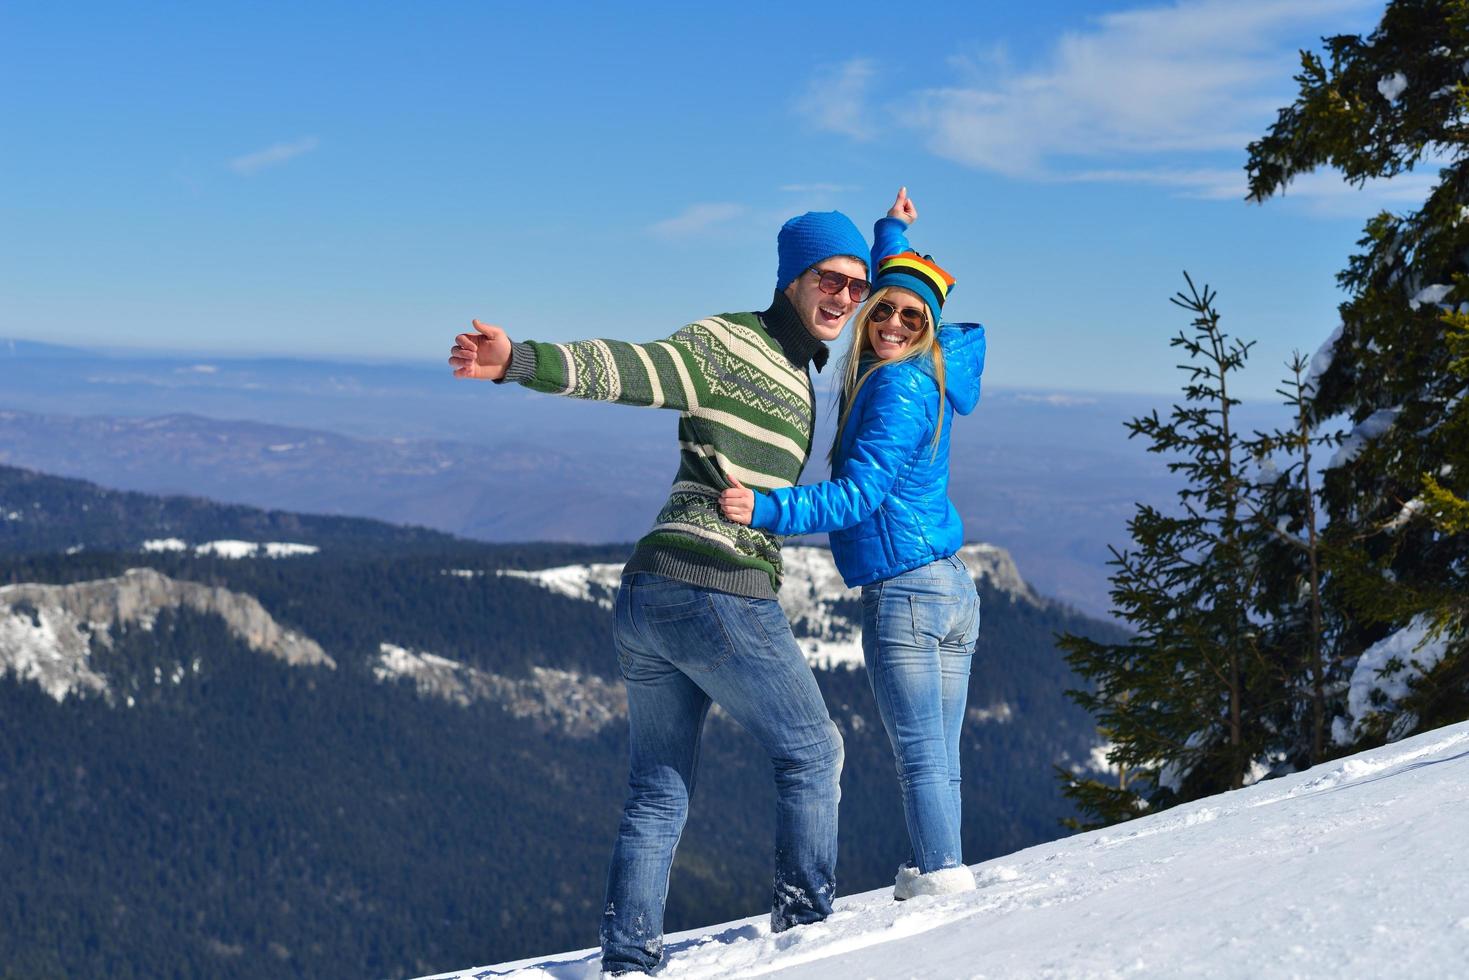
(1048, 475)
(239, 743)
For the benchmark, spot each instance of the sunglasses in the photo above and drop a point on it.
(912, 319)
(832, 283)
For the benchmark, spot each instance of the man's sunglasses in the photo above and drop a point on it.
(912, 319)
(832, 283)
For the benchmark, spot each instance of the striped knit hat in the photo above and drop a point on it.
(918, 274)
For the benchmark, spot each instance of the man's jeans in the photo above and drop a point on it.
(918, 635)
(679, 648)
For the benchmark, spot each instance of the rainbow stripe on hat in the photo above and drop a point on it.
(919, 274)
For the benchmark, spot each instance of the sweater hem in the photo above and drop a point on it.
(689, 566)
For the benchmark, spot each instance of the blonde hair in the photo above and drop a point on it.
(926, 344)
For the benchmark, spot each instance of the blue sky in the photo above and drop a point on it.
(358, 180)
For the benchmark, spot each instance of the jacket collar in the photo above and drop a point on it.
(784, 325)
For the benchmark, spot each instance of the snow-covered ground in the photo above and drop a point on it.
(1356, 868)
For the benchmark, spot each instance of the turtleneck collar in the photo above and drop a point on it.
(784, 325)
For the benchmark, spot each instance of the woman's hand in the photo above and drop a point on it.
(737, 503)
(484, 354)
(903, 208)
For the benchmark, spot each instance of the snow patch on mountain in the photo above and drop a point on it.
(232, 549)
(254, 549)
(591, 583)
(999, 713)
(579, 705)
(47, 632)
(824, 614)
(1353, 868)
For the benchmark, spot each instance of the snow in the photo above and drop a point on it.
(1409, 511)
(48, 632)
(1352, 869)
(1409, 646)
(590, 583)
(1430, 294)
(227, 549)
(579, 705)
(46, 647)
(1099, 760)
(1321, 360)
(1000, 713)
(235, 550)
(165, 544)
(1392, 86)
(288, 549)
(1365, 431)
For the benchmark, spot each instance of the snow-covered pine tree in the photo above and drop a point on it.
(1183, 701)
(1397, 553)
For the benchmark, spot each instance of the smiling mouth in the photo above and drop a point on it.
(892, 338)
(831, 314)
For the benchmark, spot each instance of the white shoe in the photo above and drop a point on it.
(945, 881)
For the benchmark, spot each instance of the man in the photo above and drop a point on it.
(696, 617)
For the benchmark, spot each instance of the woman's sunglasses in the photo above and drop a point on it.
(912, 319)
(832, 283)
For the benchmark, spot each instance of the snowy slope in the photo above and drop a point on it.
(1353, 869)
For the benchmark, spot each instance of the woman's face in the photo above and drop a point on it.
(906, 320)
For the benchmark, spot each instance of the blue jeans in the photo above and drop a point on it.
(680, 647)
(918, 635)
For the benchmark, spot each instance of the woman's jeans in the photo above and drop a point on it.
(679, 648)
(918, 635)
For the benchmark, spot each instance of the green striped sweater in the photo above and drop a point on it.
(741, 386)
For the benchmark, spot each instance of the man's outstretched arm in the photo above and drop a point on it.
(662, 374)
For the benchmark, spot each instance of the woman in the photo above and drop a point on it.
(895, 533)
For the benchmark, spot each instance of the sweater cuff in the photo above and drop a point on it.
(765, 514)
(522, 366)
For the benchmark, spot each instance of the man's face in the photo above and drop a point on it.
(824, 314)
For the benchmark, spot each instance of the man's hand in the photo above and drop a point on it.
(483, 355)
(737, 503)
(903, 208)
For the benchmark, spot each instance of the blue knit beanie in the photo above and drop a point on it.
(812, 237)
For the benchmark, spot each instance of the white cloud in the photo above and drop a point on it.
(836, 100)
(696, 219)
(1326, 192)
(1159, 95)
(272, 156)
(1191, 77)
(1203, 182)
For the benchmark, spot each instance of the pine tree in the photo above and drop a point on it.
(1182, 701)
(1394, 493)
(1302, 632)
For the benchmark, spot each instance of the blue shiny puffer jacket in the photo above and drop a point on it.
(887, 504)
